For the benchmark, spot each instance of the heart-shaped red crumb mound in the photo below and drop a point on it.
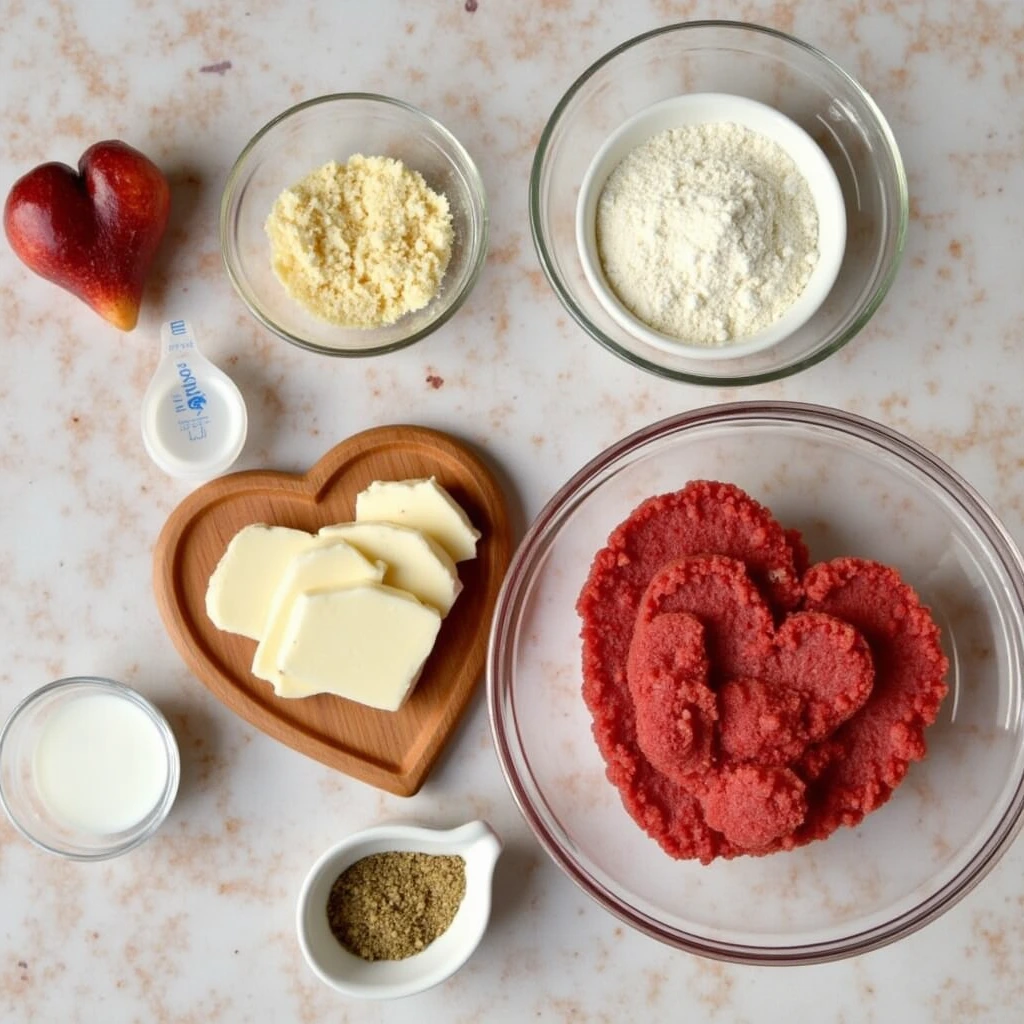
(716, 687)
(735, 716)
(774, 690)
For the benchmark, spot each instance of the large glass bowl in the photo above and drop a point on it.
(336, 127)
(764, 65)
(852, 487)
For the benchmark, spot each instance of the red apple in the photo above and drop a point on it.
(94, 232)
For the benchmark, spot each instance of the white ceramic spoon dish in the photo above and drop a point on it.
(475, 842)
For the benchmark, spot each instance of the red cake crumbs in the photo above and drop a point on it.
(755, 807)
(878, 745)
(675, 708)
(744, 701)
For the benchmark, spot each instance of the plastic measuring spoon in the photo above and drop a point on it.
(194, 420)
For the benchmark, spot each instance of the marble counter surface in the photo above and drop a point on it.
(198, 924)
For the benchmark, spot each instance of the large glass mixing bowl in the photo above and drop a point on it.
(852, 487)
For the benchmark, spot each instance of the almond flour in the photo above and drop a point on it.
(362, 243)
(707, 233)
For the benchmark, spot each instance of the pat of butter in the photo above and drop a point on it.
(424, 505)
(415, 563)
(242, 586)
(365, 642)
(320, 568)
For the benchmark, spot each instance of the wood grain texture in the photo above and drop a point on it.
(393, 751)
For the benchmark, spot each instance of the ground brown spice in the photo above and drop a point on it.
(390, 906)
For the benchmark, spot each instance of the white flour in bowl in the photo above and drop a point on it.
(707, 233)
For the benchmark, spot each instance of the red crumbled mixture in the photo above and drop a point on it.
(875, 748)
(675, 708)
(729, 721)
(755, 807)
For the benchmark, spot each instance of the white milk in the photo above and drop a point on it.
(100, 764)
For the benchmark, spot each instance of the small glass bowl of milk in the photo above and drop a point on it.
(88, 768)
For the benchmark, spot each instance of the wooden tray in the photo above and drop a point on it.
(391, 750)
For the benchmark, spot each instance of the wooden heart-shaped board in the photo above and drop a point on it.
(391, 750)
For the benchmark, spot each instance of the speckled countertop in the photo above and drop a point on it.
(198, 924)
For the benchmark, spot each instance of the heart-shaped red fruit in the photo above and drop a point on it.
(94, 232)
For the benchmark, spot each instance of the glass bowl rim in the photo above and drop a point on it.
(520, 573)
(902, 216)
(158, 719)
(478, 257)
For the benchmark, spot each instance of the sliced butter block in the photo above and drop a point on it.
(424, 505)
(328, 567)
(415, 563)
(240, 590)
(366, 642)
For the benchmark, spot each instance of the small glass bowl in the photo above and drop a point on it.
(336, 127)
(771, 68)
(852, 487)
(19, 789)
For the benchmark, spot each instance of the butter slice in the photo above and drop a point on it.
(365, 642)
(424, 505)
(415, 563)
(321, 568)
(242, 586)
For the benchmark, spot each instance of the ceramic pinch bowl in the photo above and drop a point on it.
(476, 842)
(709, 108)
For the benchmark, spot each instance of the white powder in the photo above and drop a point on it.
(707, 233)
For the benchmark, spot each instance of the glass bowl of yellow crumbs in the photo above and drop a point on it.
(353, 224)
